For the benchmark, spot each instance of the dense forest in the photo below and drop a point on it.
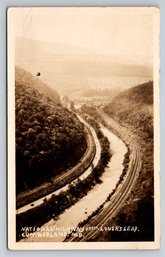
(57, 204)
(49, 137)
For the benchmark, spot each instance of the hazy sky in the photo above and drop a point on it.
(115, 32)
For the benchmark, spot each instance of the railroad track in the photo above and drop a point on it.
(105, 216)
(63, 179)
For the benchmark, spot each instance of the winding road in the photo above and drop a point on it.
(101, 220)
(70, 175)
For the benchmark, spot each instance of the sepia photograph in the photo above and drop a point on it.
(83, 128)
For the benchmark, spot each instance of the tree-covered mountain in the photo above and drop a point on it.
(26, 78)
(49, 137)
(135, 108)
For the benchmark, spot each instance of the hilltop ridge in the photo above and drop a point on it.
(43, 128)
(134, 107)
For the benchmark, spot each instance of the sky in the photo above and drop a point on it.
(123, 33)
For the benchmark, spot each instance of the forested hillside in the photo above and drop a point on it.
(49, 138)
(25, 78)
(134, 107)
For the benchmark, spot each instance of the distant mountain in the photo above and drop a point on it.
(57, 49)
(70, 68)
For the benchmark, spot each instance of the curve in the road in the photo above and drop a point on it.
(67, 177)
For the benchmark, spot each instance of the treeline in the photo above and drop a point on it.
(26, 78)
(92, 112)
(56, 183)
(49, 138)
(56, 205)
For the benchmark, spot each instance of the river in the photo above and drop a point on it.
(95, 197)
